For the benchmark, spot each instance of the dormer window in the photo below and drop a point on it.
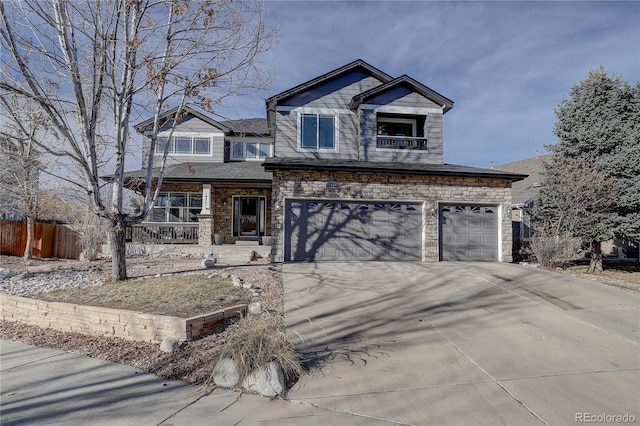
(184, 145)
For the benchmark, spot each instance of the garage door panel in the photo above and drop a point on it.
(469, 232)
(352, 231)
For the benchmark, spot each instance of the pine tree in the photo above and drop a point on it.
(598, 129)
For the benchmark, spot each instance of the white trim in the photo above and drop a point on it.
(315, 110)
(395, 109)
(244, 143)
(336, 131)
(411, 121)
(192, 135)
(497, 206)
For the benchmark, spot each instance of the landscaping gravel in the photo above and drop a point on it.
(192, 361)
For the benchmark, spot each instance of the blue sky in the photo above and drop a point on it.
(506, 65)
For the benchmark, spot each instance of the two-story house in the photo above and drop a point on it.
(359, 174)
(347, 166)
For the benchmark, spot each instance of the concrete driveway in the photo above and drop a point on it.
(463, 343)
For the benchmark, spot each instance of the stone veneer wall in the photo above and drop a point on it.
(108, 322)
(222, 205)
(429, 190)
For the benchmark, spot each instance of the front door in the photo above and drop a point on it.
(248, 216)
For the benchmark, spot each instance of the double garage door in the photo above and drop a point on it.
(317, 230)
(338, 230)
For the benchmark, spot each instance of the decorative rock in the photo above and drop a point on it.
(225, 373)
(267, 380)
(209, 262)
(255, 308)
(5, 273)
(21, 276)
(237, 282)
(169, 345)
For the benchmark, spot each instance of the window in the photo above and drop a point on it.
(177, 207)
(184, 145)
(250, 150)
(317, 131)
(249, 216)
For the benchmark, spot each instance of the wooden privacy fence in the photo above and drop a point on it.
(49, 240)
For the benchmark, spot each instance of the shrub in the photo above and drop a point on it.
(260, 340)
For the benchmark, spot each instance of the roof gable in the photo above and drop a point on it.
(357, 65)
(403, 81)
(200, 113)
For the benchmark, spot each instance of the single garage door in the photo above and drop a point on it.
(337, 230)
(469, 232)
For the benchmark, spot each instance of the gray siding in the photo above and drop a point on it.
(432, 131)
(192, 124)
(404, 97)
(336, 95)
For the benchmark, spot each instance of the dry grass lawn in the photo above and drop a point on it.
(181, 296)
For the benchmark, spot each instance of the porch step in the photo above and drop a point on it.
(247, 243)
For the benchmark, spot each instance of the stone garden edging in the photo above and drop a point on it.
(109, 322)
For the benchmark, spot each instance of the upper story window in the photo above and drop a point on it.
(185, 145)
(318, 131)
(250, 150)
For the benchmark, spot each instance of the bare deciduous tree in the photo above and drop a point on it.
(93, 65)
(23, 127)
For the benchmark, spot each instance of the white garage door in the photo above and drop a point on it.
(469, 232)
(338, 230)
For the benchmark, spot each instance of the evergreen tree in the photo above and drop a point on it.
(598, 129)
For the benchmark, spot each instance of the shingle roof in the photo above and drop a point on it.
(245, 172)
(275, 163)
(527, 188)
(253, 126)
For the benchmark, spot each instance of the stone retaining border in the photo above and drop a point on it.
(99, 321)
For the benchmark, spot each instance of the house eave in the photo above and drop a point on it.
(449, 170)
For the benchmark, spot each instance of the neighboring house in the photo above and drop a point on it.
(213, 183)
(523, 194)
(359, 174)
(347, 166)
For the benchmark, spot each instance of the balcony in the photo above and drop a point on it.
(401, 142)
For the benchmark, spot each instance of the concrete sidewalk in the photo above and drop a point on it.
(48, 387)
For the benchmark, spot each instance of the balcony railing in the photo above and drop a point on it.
(401, 142)
(156, 233)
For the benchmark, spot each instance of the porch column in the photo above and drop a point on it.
(206, 198)
(205, 218)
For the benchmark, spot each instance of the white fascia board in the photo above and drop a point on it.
(249, 139)
(395, 109)
(314, 110)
